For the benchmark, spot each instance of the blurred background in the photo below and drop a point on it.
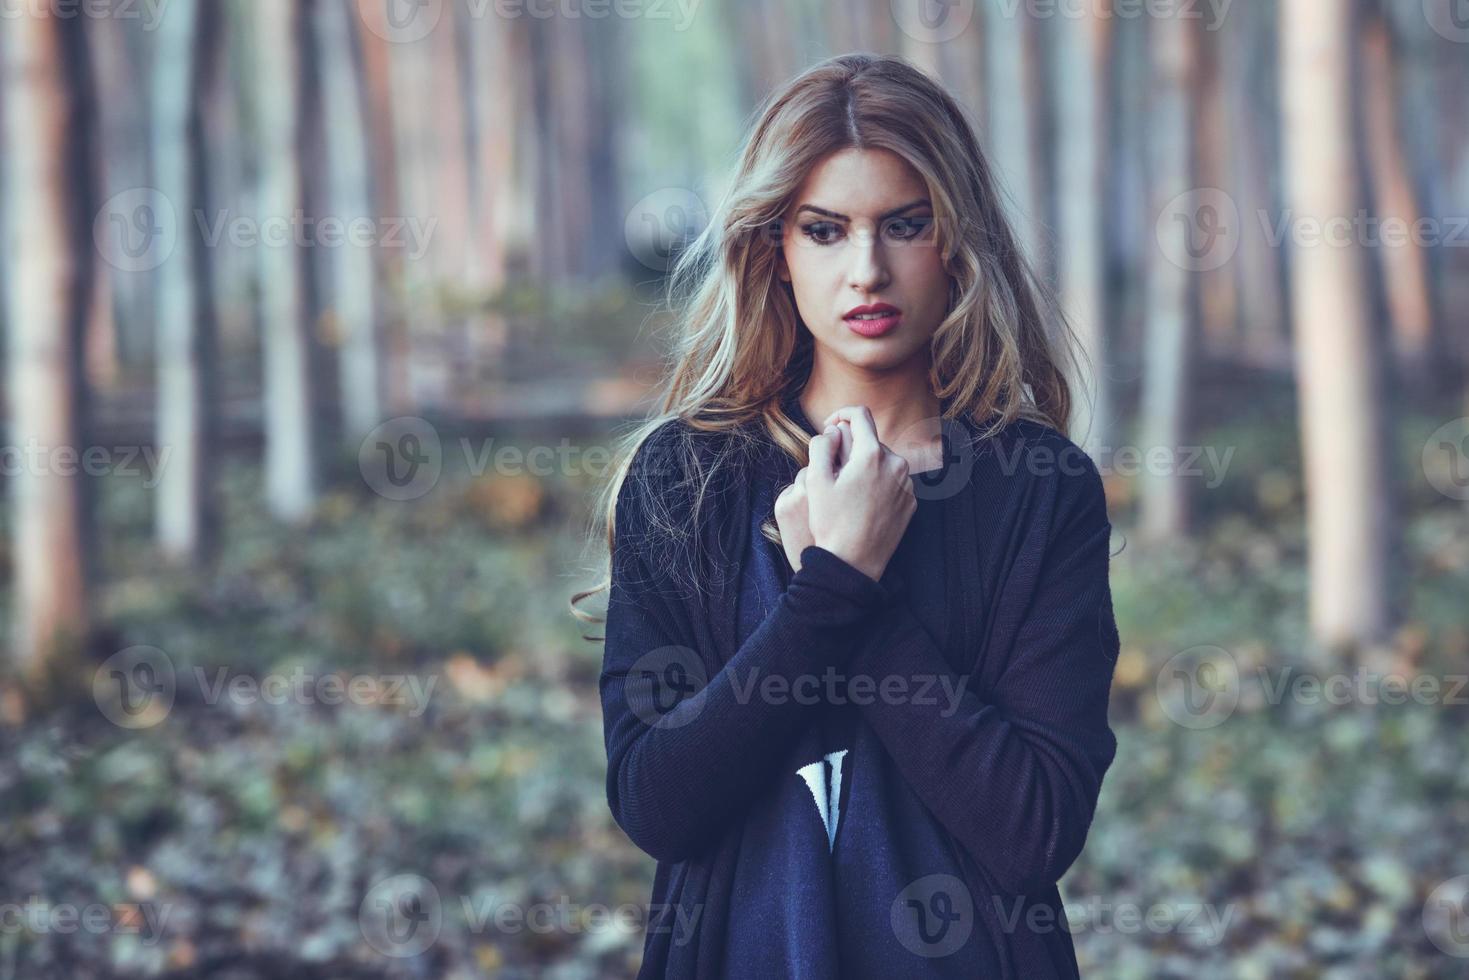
(321, 321)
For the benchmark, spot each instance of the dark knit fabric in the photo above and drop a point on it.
(803, 829)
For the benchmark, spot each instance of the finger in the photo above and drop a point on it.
(864, 430)
(800, 483)
(845, 428)
(823, 458)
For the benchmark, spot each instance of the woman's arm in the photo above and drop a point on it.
(682, 765)
(1015, 777)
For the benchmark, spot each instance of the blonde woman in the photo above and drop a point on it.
(859, 634)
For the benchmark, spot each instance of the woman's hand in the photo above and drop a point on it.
(858, 507)
(790, 517)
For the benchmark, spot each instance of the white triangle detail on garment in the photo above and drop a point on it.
(828, 797)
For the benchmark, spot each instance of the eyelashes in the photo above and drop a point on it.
(900, 229)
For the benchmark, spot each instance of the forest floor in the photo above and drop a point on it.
(397, 696)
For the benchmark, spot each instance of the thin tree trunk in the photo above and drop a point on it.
(352, 288)
(1340, 402)
(381, 119)
(182, 76)
(290, 482)
(1405, 275)
(1082, 90)
(123, 135)
(48, 247)
(1248, 41)
(1171, 298)
(1010, 140)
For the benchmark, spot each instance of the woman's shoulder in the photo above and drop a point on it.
(1028, 451)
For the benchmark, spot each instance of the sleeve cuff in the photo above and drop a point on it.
(824, 572)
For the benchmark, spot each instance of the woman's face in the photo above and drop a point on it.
(861, 233)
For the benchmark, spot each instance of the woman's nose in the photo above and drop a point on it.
(868, 262)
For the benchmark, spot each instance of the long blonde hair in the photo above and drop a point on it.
(741, 346)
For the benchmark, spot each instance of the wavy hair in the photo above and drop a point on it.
(741, 348)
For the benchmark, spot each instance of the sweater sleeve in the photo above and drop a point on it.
(685, 753)
(1014, 776)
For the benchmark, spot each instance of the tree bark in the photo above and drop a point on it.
(290, 482)
(183, 75)
(49, 214)
(1340, 402)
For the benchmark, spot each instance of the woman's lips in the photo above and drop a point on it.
(874, 327)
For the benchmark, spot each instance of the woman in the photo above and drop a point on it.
(856, 672)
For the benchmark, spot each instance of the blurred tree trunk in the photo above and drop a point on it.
(1248, 45)
(1404, 263)
(1168, 350)
(49, 210)
(354, 310)
(1083, 121)
(1218, 303)
(1340, 403)
(183, 77)
(1010, 139)
(387, 203)
(290, 482)
(503, 219)
(415, 151)
(118, 52)
(450, 146)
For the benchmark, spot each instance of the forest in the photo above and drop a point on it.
(322, 320)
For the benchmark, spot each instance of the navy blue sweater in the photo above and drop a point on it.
(803, 829)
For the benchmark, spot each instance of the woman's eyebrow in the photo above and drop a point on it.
(842, 217)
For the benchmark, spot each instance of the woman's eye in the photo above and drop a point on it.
(820, 232)
(906, 229)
